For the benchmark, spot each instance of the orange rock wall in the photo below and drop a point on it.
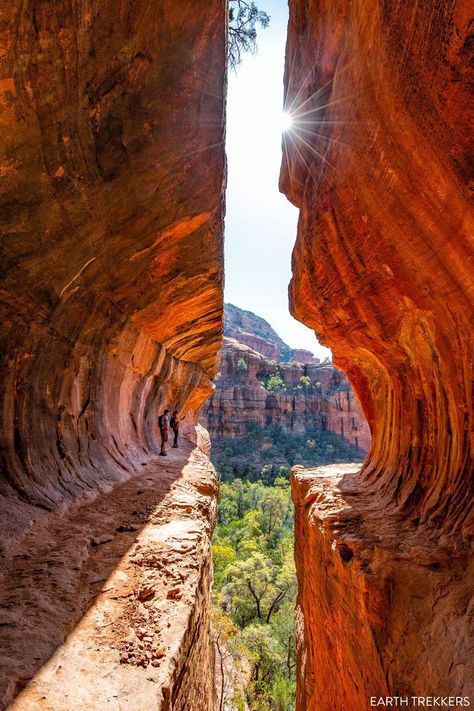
(381, 610)
(378, 163)
(112, 165)
(383, 265)
(113, 168)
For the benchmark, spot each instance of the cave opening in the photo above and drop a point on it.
(113, 169)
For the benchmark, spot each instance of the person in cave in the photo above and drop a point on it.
(163, 424)
(174, 424)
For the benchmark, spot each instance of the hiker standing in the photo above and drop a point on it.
(174, 424)
(163, 423)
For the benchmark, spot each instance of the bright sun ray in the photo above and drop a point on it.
(286, 121)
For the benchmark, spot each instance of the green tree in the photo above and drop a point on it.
(283, 692)
(243, 20)
(254, 592)
(275, 508)
(262, 650)
(229, 652)
(283, 473)
(305, 382)
(275, 383)
(223, 556)
(256, 588)
(283, 630)
(242, 366)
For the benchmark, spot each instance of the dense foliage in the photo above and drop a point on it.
(275, 383)
(254, 574)
(255, 587)
(265, 453)
(242, 366)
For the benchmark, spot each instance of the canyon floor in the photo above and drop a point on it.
(120, 578)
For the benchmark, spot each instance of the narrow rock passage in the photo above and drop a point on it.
(133, 560)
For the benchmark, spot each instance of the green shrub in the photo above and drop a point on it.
(275, 383)
(246, 457)
(242, 366)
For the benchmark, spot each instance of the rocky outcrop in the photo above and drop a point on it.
(112, 164)
(377, 162)
(256, 333)
(312, 396)
(382, 610)
(301, 355)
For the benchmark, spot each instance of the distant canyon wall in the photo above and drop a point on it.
(327, 402)
(378, 163)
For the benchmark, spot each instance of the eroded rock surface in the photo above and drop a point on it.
(112, 167)
(325, 402)
(127, 577)
(382, 610)
(378, 163)
(383, 265)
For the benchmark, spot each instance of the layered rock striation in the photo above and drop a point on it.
(253, 331)
(112, 164)
(378, 163)
(388, 281)
(311, 396)
(106, 313)
(382, 610)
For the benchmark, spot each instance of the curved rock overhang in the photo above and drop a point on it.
(113, 169)
(378, 162)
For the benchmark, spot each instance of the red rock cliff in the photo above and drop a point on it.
(326, 401)
(378, 163)
(112, 166)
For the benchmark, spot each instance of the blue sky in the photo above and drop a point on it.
(260, 222)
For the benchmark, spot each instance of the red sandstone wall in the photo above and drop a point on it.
(345, 418)
(378, 164)
(240, 399)
(112, 167)
(382, 609)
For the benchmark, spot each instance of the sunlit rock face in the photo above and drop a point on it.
(378, 164)
(382, 609)
(241, 400)
(112, 168)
